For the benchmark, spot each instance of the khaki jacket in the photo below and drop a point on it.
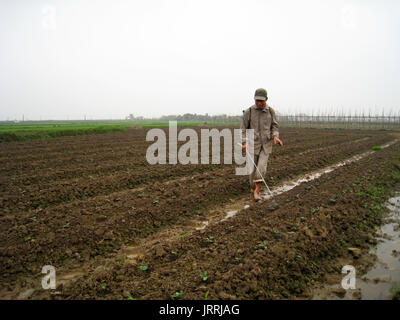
(264, 124)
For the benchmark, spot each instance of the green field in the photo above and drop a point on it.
(22, 131)
(29, 131)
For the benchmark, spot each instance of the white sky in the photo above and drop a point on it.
(105, 59)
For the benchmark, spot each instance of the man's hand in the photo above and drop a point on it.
(277, 140)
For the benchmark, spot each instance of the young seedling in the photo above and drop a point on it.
(204, 275)
(177, 295)
(261, 246)
(206, 295)
(143, 267)
(175, 252)
(123, 261)
(131, 298)
(313, 210)
(210, 240)
(183, 235)
(104, 286)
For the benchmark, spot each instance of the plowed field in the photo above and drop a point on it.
(116, 227)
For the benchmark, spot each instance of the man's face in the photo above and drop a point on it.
(261, 104)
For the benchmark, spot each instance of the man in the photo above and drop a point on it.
(262, 118)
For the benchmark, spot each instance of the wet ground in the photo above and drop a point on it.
(99, 216)
(377, 283)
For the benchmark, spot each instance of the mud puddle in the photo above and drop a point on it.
(377, 282)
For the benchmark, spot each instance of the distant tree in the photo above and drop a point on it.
(190, 117)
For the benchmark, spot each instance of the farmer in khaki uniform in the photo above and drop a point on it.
(260, 117)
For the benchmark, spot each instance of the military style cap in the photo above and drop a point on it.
(260, 94)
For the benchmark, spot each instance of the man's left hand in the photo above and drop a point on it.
(277, 140)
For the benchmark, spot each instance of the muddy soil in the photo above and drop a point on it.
(377, 269)
(256, 254)
(98, 230)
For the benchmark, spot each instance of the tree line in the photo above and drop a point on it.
(191, 117)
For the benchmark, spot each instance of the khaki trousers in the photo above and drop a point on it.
(261, 160)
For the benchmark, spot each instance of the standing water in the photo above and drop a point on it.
(377, 283)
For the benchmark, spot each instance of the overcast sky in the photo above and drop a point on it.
(105, 59)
